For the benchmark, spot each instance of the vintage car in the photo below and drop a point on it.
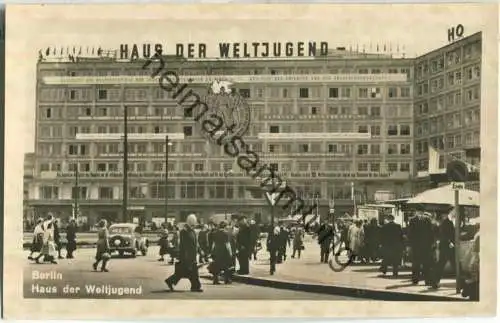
(127, 238)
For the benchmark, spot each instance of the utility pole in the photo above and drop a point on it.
(167, 142)
(77, 193)
(125, 165)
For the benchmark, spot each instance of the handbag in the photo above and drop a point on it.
(106, 256)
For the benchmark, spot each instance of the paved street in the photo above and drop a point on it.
(309, 270)
(143, 276)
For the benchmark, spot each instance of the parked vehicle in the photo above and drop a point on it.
(127, 238)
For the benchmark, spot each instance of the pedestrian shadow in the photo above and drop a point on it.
(391, 277)
(396, 286)
(167, 291)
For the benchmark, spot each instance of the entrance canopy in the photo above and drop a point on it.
(446, 195)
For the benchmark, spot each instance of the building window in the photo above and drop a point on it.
(101, 167)
(375, 93)
(362, 149)
(404, 130)
(72, 94)
(375, 130)
(333, 110)
(198, 167)
(274, 129)
(362, 129)
(332, 148)
(106, 193)
(392, 167)
(375, 111)
(48, 113)
(73, 149)
(375, 167)
(304, 148)
(362, 111)
(314, 110)
(333, 92)
(188, 131)
(345, 92)
(303, 93)
(392, 130)
(375, 149)
(393, 92)
(245, 93)
(362, 167)
(392, 149)
(363, 93)
(404, 167)
(405, 92)
(102, 94)
(405, 149)
(188, 113)
(49, 192)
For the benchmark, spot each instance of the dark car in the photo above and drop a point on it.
(127, 238)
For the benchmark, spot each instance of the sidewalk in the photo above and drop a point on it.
(307, 273)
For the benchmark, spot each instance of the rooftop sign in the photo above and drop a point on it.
(207, 79)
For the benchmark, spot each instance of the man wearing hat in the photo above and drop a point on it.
(421, 238)
(392, 245)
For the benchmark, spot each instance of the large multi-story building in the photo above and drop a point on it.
(447, 108)
(327, 124)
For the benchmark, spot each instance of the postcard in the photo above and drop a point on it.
(270, 160)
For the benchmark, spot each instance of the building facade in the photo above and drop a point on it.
(327, 124)
(447, 109)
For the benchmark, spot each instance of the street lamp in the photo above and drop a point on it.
(226, 173)
(167, 144)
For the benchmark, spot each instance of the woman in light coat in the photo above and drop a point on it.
(102, 253)
(49, 247)
(356, 239)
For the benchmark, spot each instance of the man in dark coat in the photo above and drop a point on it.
(273, 245)
(421, 239)
(188, 250)
(254, 234)
(204, 244)
(222, 255)
(325, 238)
(57, 238)
(71, 238)
(244, 244)
(392, 245)
(284, 241)
(446, 237)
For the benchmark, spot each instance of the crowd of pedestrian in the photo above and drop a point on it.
(47, 240)
(427, 242)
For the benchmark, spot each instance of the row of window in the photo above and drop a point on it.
(448, 102)
(74, 112)
(217, 166)
(451, 59)
(143, 94)
(437, 85)
(471, 139)
(449, 121)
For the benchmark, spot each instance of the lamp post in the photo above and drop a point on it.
(226, 173)
(167, 144)
(76, 209)
(125, 165)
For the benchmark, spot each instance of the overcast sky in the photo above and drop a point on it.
(420, 28)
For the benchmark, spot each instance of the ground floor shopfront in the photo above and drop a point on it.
(261, 212)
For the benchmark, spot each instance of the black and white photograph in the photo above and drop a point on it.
(216, 154)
